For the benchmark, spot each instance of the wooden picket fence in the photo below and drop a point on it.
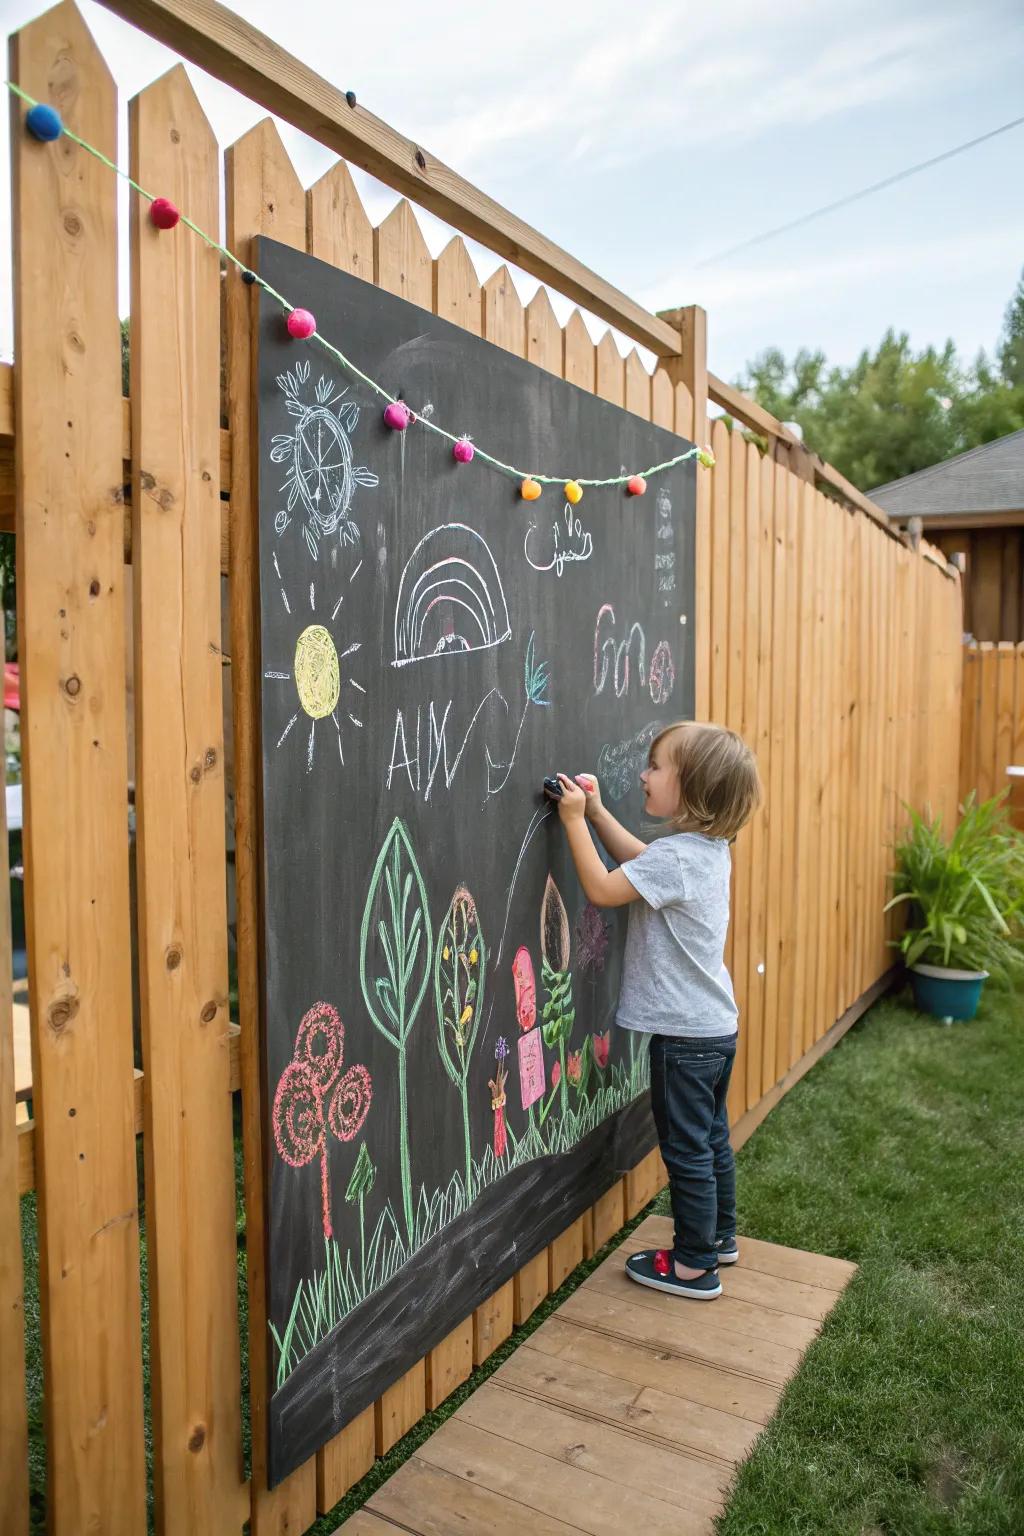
(993, 723)
(831, 645)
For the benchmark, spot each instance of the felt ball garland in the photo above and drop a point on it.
(163, 213)
(301, 324)
(44, 123)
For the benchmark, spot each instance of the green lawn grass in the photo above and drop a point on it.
(902, 1150)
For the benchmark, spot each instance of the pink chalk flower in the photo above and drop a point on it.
(602, 1048)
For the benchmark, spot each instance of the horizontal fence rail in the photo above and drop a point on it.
(829, 643)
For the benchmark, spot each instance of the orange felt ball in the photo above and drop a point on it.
(636, 485)
(573, 491)
(529, 490)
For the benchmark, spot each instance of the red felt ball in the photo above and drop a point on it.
(462, 451)
(163, 213)
(636, 485)
(301, 324)
(397, 416)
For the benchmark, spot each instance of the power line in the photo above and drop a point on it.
(854, 197)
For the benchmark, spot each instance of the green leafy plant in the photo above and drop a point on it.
(395, 951)
(459, 967)
(964, 896)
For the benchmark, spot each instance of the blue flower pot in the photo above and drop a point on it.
(948, 994)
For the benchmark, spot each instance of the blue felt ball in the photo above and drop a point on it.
(44, 122)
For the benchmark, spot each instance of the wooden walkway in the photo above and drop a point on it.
(626, 1409)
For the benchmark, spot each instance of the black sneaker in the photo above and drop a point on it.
(655, 1267)
(728, 1250)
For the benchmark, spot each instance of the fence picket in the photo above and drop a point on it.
(182, 917)
(69, 525)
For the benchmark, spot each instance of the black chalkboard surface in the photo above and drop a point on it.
(445, 1090)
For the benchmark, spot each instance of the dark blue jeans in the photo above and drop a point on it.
(689, 1082)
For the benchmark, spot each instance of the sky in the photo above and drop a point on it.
(646, 139)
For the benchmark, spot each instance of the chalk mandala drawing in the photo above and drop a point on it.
(317, 677)
(322, 474)
(300, 1123)
(450, 597)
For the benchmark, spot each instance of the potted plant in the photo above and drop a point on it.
(964, 902)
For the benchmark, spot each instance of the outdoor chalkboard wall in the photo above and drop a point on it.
(445, 1091)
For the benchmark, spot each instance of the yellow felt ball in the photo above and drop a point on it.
(529, 490)
(573, 491)
(706, 457)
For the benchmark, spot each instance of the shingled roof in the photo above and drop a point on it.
(982, 481)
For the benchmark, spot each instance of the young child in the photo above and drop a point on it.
(702, 780)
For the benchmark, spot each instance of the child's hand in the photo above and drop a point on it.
(592, 789)
(573, 804)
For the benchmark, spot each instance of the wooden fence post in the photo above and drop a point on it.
(189, 1150)
(70, 546)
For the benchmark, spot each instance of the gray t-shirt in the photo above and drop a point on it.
(674, 980)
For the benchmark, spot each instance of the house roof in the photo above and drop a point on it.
(982, 481)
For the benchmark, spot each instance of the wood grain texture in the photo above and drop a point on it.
(450, 1363)
(530, 1286)
(337, 227)
(262, 196)
(179, 754)
(401, 260)
(492, 1322)
(399, 1407)
(69, 526)
(345, 1459)
(14, 1511)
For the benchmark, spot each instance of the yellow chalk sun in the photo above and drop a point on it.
(317, 673)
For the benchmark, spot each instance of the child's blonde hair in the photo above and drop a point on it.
(719, 787)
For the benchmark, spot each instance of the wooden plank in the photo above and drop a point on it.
(262, 196)
(543, 333)
(492, 1323)
(648, 1365)
(230, 47)
(1005, 667)
(504, 319)
(760, 740)
(610, 377)
(752, 1320)
(337, 227)
(734, 559)
(578, 365)
(14, 1510)
(179, 789)
(401, 260)
(790, 776)
(564, 1254)
(775, 788)
(803, 557)
(344, 1460)
(988, 694)
(69, 529)
(609, 1214)
(544, 1482)
(718, 612)
(638, 389)
(365, 1523)
(661, 1415)
(812, 754)
(430, 1501)
(529, 1288)
(457, 288)
(674, 1332)
(399, 1408)
(450, 1364)
(603, 1451)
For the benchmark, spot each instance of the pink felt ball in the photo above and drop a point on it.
(397, 416)
(163, 213)
(636, 485)
(463, 450)
(301, 324)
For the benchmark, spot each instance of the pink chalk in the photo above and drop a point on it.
(531, 1068)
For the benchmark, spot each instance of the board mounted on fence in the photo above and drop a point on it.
(445, 1090)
